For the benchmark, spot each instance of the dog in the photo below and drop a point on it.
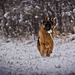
(45, 41)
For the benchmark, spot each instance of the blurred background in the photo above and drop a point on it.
(20, 21)
(24, 17)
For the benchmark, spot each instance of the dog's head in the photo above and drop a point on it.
(47, 24)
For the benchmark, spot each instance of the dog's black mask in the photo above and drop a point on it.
(48, 25)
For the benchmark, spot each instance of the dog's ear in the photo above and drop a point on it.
(51, 18)
(44, 19)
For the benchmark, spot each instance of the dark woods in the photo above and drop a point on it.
(24, 17)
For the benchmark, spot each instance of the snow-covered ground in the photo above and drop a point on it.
(23, 58)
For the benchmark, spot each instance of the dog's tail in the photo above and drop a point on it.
(38, 44)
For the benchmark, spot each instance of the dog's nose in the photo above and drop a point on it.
(49, 52)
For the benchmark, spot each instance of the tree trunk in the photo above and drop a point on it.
(59, 16)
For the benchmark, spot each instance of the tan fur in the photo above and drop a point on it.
(46, 41)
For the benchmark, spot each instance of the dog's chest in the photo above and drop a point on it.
(48, 38)
(48, 41)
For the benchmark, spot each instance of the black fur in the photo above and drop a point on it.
(38, 41)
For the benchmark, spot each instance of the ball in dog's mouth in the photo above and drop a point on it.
(50, 31)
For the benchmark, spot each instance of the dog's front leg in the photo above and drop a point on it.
(42, 49)
(47, 54)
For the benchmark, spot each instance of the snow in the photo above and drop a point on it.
(22, 57)
(14, 9)
(73, 10)
(7, 24)
(63, 13)
(68, 13)
(36, 16)
(6, 15)
(37, 7)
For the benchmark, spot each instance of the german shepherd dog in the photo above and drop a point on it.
(46, 34)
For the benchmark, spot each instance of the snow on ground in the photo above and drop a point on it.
(23, 58)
